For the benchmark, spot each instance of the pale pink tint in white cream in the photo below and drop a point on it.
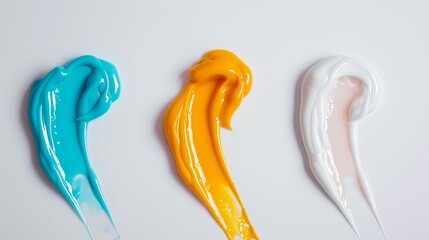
(346, 90)
(336, 92)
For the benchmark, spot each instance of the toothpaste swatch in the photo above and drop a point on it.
(192, 127)
(61, 106)
(336, 93)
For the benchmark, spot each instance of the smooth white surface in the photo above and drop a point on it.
(322, 100)
(153, 44)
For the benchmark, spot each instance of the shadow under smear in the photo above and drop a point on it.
(159, 131)
(298, 135)
(30, 138)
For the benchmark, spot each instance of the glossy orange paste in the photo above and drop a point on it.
(192, 124)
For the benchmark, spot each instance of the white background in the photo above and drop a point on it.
(153, 44)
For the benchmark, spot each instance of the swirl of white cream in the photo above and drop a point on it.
(317, 102)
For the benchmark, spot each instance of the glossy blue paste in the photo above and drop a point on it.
(60, 107)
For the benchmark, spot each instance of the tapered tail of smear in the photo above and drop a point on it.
(369, 198)
(367, 195)
(97, 220)
(331, 188)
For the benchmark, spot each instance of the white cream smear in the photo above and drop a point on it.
(336, 92)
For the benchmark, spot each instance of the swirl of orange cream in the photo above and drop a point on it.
(192, 127)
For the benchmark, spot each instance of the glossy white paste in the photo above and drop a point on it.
(325, 85)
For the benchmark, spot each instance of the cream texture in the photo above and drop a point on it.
(337, 92)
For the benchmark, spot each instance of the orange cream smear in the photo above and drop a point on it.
(192, 127)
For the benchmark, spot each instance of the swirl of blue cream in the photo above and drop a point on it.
(60, 107)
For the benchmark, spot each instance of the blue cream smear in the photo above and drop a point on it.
(61, 106)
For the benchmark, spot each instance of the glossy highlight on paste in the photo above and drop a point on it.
(60, 107)
(217, 85)
(335, 94)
